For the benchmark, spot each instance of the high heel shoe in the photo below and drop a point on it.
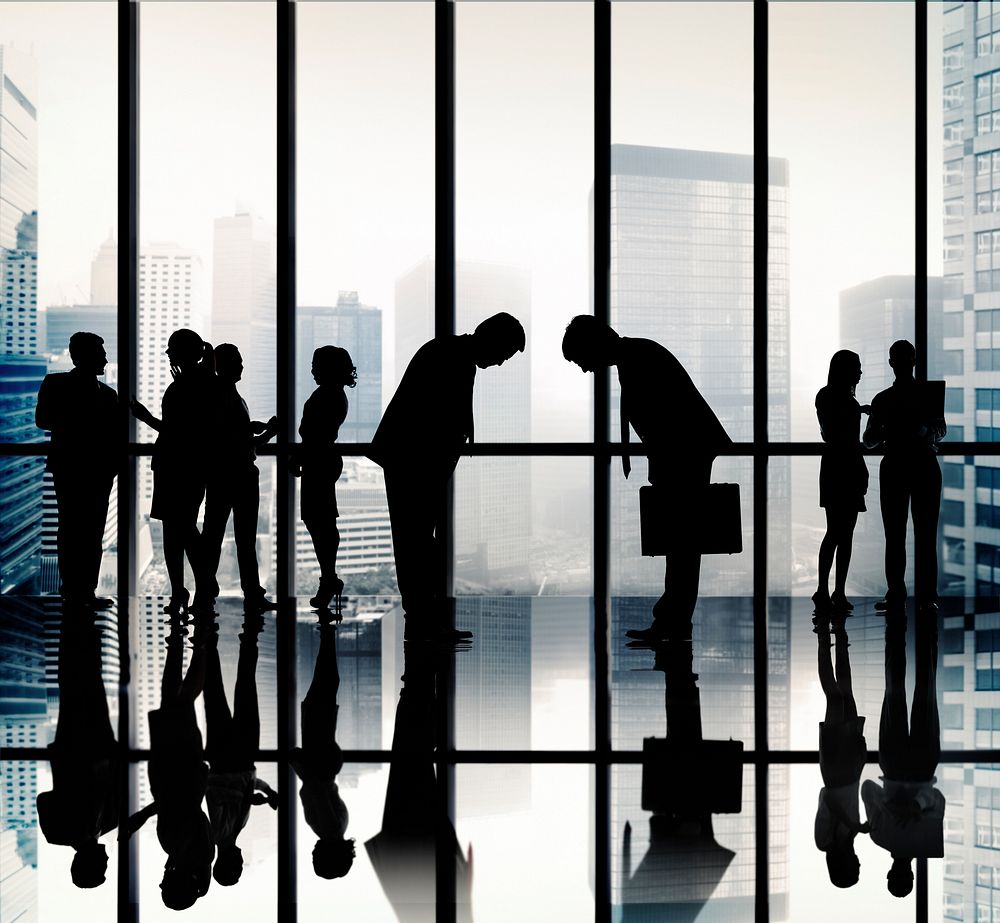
(178, 604)
(841, 603)
(330, 590)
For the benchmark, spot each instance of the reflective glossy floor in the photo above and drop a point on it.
(469, 779)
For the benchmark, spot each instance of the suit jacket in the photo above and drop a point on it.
(429, 418)
(82, 414)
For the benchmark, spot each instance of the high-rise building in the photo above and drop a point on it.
(21, 369)
(244, 291)
(682, 274)
(18, 203)
(357, 328)
(170, 278)
(63, 320)
(873, 315)
(104, 273)
(970, 358)
(492, 495)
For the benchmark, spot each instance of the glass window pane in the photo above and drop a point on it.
(57, 251)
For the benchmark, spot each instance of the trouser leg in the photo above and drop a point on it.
(218, 506)
(893, 734)
(926, 506)
(246, 504)
(894, 500)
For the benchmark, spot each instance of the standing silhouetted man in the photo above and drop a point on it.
(909, 478)
(681, 435)
(418, 443)
(81, 413)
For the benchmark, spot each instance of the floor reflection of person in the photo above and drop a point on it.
(318, 761)
(178, 776)
(681, 435)
(82, 414)
(684, 863)
(906, 812)
(233, 739)
(415, 833)
(842, 752)
(843, 475)
(83, 803)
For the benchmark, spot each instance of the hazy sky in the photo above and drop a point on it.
(841, 113)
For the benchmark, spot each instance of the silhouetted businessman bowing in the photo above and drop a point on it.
(681, 435)
(909, 478)
(81, 413)
(418, 443)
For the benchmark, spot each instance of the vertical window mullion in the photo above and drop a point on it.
(128, 310)
(761, 180)
(283, 483)
(444, 325)
(602, 463)
(920, 13)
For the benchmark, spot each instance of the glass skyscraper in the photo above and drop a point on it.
(682, 274)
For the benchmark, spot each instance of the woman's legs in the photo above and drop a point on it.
(844, 524)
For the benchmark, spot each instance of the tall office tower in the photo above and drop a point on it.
(63, 320)
(492, 495)
(104, 273)
(21, 477)
(970, 508)
(170, 297)
(20, 371)
(244, 291)
(723, 662)
(873, 315)
(357, 328)
(18, 203)
(682, 274)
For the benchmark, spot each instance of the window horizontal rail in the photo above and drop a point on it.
(567, 449)
(518, 757)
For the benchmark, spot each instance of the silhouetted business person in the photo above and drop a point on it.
(843, 475)
(418, 443)
(415, 834)
(909, 478)
(178, 775)
(180, 464)
(906, 812)
(81, 413)
(233, 485)
(321, 464)
(680, 432)
(233, 739)
(83, 803)
(319, 759)
(842, 752)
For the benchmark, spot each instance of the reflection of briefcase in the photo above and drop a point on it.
(706, 521)
(698, 776)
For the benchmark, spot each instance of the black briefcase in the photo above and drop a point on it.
(700, 776)
(709, 521)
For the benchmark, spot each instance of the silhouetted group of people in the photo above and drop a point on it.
(906, 421)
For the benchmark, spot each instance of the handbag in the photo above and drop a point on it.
(707, 521)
